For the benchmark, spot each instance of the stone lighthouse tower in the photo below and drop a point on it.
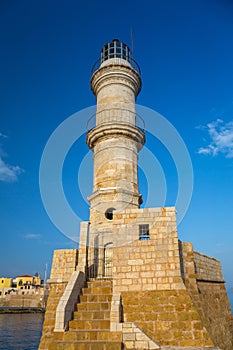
(116, 139)
(132, 284)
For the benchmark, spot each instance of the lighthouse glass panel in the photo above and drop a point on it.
(115, 49)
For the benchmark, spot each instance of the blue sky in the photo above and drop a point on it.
(184, 49)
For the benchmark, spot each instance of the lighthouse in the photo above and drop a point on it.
(131, 284)
(116, 138)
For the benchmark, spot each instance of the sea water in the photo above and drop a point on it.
(20, 331)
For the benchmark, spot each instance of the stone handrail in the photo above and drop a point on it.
(69, 298)
(116, 313)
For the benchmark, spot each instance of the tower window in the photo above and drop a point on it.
(144, 234)
(109, 213)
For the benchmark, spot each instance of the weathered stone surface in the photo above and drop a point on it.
(64, 263)
(159, 314)
(204, 282)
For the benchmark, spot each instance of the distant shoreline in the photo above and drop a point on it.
(20, 310)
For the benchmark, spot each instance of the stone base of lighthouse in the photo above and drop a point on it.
(144, 289)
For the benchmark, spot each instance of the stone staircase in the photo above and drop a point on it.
(90, 327)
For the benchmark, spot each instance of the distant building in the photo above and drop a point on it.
(22, 292)
(5, 282)
(27, 282)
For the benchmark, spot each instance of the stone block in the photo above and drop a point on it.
(129, 345)
(129, 336)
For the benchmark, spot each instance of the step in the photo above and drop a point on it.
(72, 335)
(85, 346)
(90, 298)
(99, 283)
(97, 290)
(94, 306)
(96, 279)
(91, 315)
(89, 325)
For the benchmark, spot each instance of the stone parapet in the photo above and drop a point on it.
(64, 263)
(207, 268)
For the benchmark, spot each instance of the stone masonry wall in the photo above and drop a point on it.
(64, 263)
(153, 264)
(216, 308)
(56, 291)
(168, 317)
(207, 268)
(204, 282)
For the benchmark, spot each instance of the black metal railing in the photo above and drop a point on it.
(116, 60)
(118, 116)
(102, 265)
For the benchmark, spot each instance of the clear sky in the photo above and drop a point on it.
(185, 51)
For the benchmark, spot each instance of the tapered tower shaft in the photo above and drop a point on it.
(115, 139)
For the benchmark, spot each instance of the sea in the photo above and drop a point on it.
(20, 331)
